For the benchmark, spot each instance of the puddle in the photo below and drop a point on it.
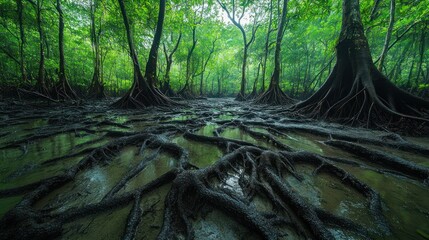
(301, 142)
(151, 222)
(162, 164)
(406, 204)
(260, 130)
(200, 154)
(235, 133)
(207, 130)
(183, 117)
(109, 225)
(227, 117)
(216, 225)
(91, 185)
(412, 157)
(8, 203)
(19, 166)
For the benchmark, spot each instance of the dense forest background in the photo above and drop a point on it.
(209, 50)
(326, 137)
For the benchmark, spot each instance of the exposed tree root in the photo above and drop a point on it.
(63, 91)
(240, 97)
(254, 94)
(96, 90)
(167, 90)
(356, 93)
(186, 93)
(143, 97)
(43, 94)
(383, 159)
(274, 96)
(258, 165)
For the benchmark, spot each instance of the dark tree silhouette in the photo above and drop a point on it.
(143, 92)
(356, 92)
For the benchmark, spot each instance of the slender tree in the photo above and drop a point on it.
(63, 89)
(20, 9)
(204, 65)
(169, 59)
(236, 16)
(186, 91)
(274, 95)
(356, 91)
(143, 92)
(388, 36)
(254, 93)
(41, 86)
(96, 89)
(267, 46)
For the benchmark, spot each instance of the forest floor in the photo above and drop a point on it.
(212, 169)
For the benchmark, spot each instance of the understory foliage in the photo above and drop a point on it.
(95, 49)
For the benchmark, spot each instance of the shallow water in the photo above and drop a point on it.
(405, 202)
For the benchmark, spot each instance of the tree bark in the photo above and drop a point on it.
(421, 57)
(356, 92)
(143, 93)
(186, 91)
(254, 93)
(274, 94)
(266, 47)
(388, 36)
(166, 89)
(236, 21)
(97, 87)
(150, 74)
(169, 58)
(63, 90)
(276, 74)
(211, 51)
(41, 79)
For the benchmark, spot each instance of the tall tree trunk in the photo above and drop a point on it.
(388, 36)
(169, 58)
(421, 57)
(242, 94)
(266, 46)
(254, 93)
(246, 43)
(219, 93)
(166, 89)
(204, 65)
(274, 94)
(96, 89)
(276, 74)
(143, 93)
(63, 89)
(41, 79)
(150, 73)
(357, 93)
(186, 91)
(20, 8)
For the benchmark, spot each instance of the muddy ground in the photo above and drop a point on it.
(210, 169)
